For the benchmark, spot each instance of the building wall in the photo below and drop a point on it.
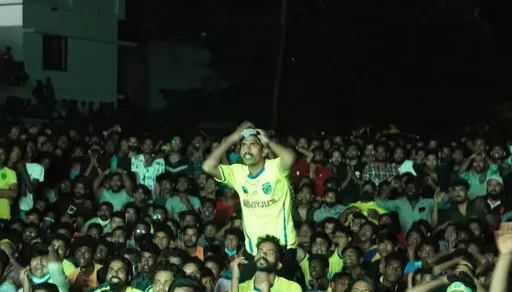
(91, 28)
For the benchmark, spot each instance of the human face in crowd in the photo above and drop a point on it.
(116, 183)
(211, 186)
(458, 156)
(399, 155)
(162, 281)
(459, 194)
(494, 189)
(176, 144)
(431, 161)
(330, 199)
(119, 236)
(140, 230)
(351, 258)
(320, 246)
(340, 239)
(252, 151)
(366, 234)
(479, 145)
(189, 220)
(336, 157)
(303, 143)
(498, 153)
(118, 273)
(231, 242)
(101, 254)
(162, 240)
(116, 222)
(352, 152)
(60, 247)
(182, 186)
(84, 256)
(192, 270)
(305, 195)
(80, 190)
(393, 271)
(30, 233)
(341, 284)
(201, 180)
(147, 261)
(148, 146)
(105, 212)
(426, 252)
(267, 258)
(190, 237)
(385, 248)
(369, 151)
(479, 164)
(381, 154)
(317, 269)
(39, 266)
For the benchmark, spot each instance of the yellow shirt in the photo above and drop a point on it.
(279, 285)
(365, 206)
(335, 266)
(7, 178)
(266, 202)
(68, 267)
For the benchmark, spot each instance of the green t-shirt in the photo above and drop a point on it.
(118, 199)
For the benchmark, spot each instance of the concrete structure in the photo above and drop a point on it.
(72, 41)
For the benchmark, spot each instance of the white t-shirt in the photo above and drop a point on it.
(35, 172)
(147, 175)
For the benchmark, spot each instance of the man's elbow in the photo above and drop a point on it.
(209, 167)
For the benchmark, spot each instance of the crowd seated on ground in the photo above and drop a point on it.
(96, 209)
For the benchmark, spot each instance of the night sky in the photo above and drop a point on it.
(345, 62)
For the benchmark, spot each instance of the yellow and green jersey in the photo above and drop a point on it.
(266, 203)
(280, 284)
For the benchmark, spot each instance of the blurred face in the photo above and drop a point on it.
(231, 242)
(341, 284)
(211, 185)
(104, 212)
(458, 156)
(101, 254)
(117, 273)
(351, 258)
(386, 247)
(182, 185)
(340, 239)
(336, 157)
(330, 199)
(140, 230)
(94, 232)
(189, 220)
(267, 257)
(131, 215)
(201, 181)
(60, 247)
(317, 269)
(15, 155)
(361, 286)
(381, 154)
(29, 234)
(498, 153)
(147, 146)
(369, 150)
(147, 261)
(399, 155)
(320, 247)
(190, 237)
(459, 194)
(162, 240)
(116, 183)
(450, 233)
(366, 233)
(352, 152)
(80, 190)
(394, 271)
(303, 143)
(475, 229)
(426, 252)
(479, 164)
(305, 195)
(414, 239)
(494, 189)
(431, 161)
(212, 266)
(176, 144)
(192, 270)
(116, 222)
(84, 256)
(162, 281)
(479, 145)
(38, 266)
(119, 236)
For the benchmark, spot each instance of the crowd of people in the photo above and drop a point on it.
(108, 210)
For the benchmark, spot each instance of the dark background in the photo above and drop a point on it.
(418, 63)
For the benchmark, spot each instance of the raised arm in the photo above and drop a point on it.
(287, 155)
(211, 164)
(501, 270)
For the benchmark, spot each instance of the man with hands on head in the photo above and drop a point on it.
(264, 190)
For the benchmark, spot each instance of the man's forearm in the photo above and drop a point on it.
(7, 194)
(286, 154)
(214, 159)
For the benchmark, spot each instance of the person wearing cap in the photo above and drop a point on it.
(494, 195)
(263, 186)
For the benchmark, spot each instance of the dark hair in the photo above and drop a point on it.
(398, 256)
(321, 235)
(87, 241)
(186, 281)
(235, 232)
(150, 247)
(47, 287)
(362, 279)
(160, 227)
(118, 214)
(168, 267)
(216, 260)
(125, 261)
(108, 204)
(272, 239)
(355, 248)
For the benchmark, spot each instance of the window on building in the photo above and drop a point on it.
(55, 53)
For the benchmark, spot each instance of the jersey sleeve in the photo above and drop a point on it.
(13, 178)
(276, 164)
(227, 173)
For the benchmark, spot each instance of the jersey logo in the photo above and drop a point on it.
(267, 188)
(244, 189)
